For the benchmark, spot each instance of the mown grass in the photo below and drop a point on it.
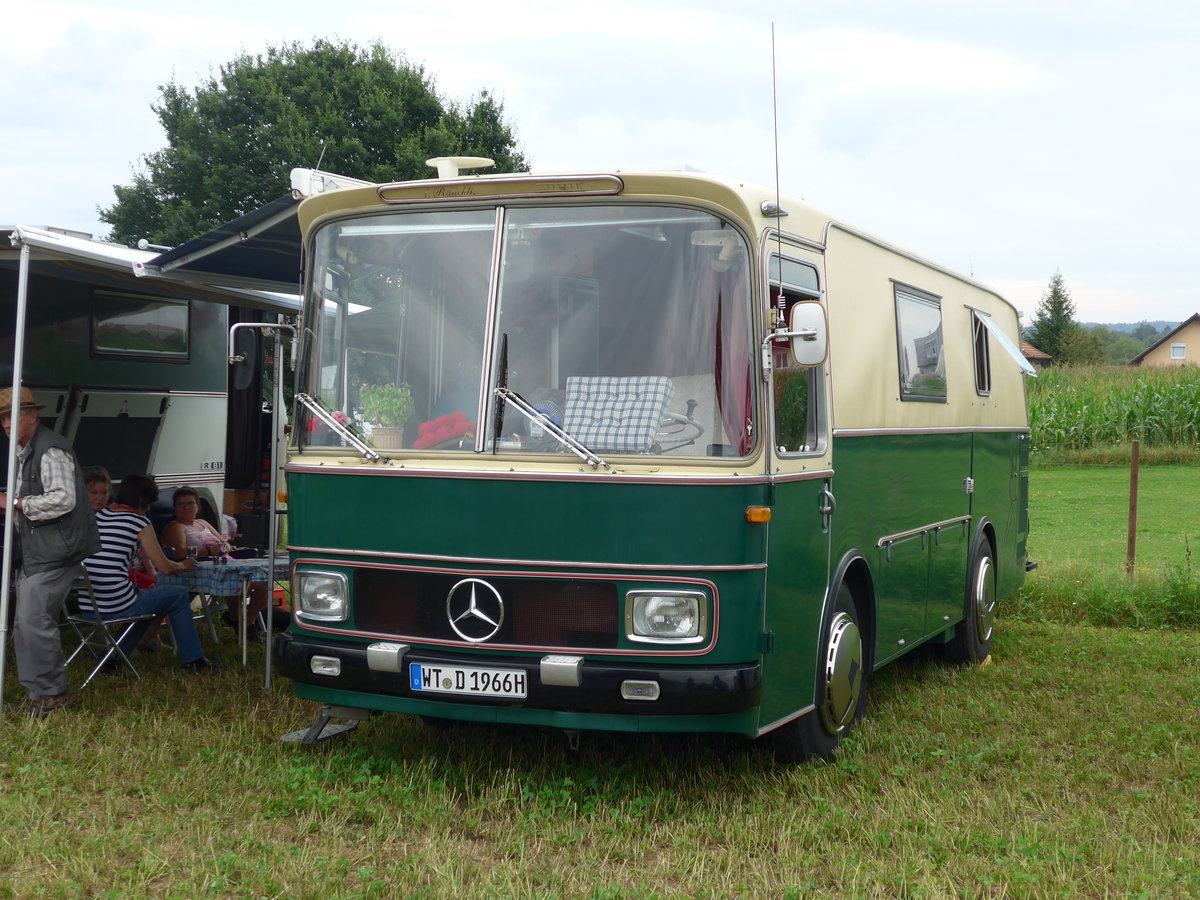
(1079, 521)
(1067, 767)
(1043, 774)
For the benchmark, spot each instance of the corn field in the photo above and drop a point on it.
(1091, 407)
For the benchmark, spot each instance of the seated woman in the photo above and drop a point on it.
(99, 487)
(124, 530)
(187, 531)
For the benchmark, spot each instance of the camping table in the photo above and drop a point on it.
(231, 578)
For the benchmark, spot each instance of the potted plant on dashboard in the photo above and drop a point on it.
(386, 407)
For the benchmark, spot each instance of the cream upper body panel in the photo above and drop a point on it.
(860, 276)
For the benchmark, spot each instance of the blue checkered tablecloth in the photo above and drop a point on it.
(225, 580)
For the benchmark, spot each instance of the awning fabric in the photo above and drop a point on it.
(259, 251)
(88, 260)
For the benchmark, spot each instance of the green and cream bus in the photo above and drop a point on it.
(679, 455)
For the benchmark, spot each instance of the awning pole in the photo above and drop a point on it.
(277, 412)
(275, 331)
(11, 480)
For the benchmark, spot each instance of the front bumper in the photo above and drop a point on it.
(684, 690)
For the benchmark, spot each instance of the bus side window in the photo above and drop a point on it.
(794, 392)
(983, 359)
(920, 350)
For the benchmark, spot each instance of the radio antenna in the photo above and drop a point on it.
(775, 124)
(779, 303)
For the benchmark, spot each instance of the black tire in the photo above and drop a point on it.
(972, 641)
(841, 691)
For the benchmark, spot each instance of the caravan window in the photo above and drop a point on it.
(138, 325)
(920, 345)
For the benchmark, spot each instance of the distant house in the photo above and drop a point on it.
(1037, 358)
(1179, 347)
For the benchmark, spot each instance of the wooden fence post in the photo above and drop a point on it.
(1131, 547)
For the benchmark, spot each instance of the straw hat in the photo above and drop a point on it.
(27, 401)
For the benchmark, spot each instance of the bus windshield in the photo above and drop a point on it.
(626, 327)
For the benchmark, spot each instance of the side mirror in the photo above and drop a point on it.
(808, 332)
(245, 342)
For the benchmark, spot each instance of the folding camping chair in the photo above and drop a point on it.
(203, 604)
(99, 636)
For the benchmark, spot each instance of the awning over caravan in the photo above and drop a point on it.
(86, 259)
(258, 251)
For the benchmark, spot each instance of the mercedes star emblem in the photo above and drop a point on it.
(475, 610)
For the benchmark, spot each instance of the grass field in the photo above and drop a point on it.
(1079, 525)
(1067, 767)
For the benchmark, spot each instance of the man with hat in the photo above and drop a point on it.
(57, 530)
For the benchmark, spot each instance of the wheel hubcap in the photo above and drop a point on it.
(985, 599)
(843, 673)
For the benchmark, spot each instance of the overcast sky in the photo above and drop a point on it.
(1008, 140)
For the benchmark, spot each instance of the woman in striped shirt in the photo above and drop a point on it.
(124, 528)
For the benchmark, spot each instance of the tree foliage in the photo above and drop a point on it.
(1081, 347)
(1054, 321)
(364, 113)
(1146, 333)
(1118, 347)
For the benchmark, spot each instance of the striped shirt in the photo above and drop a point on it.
(109, 569)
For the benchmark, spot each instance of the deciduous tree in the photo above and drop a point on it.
(365, 113)
(1119, 347)
(1146, 333)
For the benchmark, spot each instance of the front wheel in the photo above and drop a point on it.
(972, 641)
(841, 692)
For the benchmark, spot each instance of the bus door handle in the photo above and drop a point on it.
(827, 505)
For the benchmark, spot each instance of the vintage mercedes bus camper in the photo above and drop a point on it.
(639, 452)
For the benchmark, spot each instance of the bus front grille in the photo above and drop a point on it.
(538, 612)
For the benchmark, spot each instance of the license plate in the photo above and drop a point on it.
(469, 680)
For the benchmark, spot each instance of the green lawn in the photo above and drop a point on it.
(1080, 516)
(1078, 535)
(1069, 767)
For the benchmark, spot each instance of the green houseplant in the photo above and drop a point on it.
(386, 407)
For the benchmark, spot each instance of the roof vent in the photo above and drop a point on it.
(451, 166)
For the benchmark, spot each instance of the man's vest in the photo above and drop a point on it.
(67, 540)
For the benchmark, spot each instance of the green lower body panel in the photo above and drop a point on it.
(744, 723)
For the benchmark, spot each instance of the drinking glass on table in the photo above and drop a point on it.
(193, 552)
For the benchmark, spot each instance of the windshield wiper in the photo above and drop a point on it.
(523, 406)
(338, 428)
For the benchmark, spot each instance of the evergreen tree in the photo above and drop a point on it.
(230, 145)
(1054, 321)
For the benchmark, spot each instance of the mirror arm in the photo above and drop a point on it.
(805, 334)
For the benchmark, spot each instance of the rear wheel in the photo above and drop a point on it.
(841, 692)
(972, 641)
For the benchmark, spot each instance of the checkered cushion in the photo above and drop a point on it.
(617, 414)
